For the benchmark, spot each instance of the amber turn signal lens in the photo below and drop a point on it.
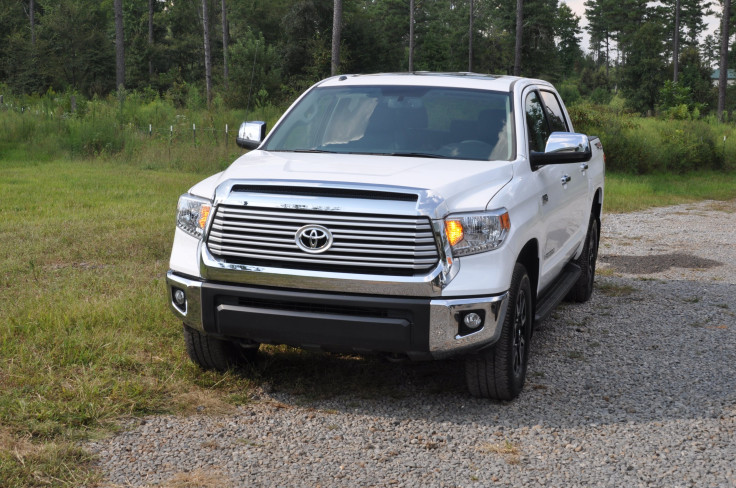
(203, 214)
(454, 231)
(505, 221)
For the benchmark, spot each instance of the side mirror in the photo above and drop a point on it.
(563, 147)
(251, 134)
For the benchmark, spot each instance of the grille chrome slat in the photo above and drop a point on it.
(320, 221)
(333, 217)
(361, 243)
(219, 224)
(345, 247)
(333, 253)
(322, 257)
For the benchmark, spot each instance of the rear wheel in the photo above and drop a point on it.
(216, 354)
(583, 288)
(500, 371)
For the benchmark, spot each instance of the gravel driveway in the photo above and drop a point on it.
(637, 387)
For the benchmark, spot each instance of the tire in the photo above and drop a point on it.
(500, 371)
(583, 288)
(210, 353)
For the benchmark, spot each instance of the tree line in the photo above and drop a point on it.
(654, 55)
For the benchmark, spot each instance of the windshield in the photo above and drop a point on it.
(399, 120)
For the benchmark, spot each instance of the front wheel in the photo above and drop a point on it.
(500, 371)
(216, 354)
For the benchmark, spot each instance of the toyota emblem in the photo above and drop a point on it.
(313, 239)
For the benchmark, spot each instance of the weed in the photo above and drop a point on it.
(507, 449)
(577, 355)
(199, 477)
(605, 271)
(614, 290)
(691, 300)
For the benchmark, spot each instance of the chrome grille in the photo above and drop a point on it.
(376, 244)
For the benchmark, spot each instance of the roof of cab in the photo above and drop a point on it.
(457, 80)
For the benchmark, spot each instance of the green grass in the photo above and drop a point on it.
(628, 193)
(86, 335)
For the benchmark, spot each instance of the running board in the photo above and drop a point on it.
(556, 292)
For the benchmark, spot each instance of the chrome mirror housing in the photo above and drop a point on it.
(563, 148)
(251, 134)
(567, 142)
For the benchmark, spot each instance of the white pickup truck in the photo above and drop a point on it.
(419, 216)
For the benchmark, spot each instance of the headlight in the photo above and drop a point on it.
(474, 233)
(192, 213)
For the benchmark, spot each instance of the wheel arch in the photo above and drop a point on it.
(529, 257)
(597, 208)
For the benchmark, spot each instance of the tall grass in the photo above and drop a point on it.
(146, 131)
(142, 131)
(640, 145)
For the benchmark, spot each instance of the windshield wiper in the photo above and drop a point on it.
(313, 151)
(323, 151)
(415, 155)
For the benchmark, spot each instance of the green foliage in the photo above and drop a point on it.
(674, 94)
(87, 137)
(601, 96)
(258, 70)
(676, 102)
(569, 92)
(644, 73)
(568, 30)
(640, 145)
(695, 74)
(48, 128)
(592, 80)
(290, 42)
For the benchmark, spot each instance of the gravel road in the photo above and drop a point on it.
(637, 387)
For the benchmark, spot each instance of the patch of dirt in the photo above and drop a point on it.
(692, 241)
(657, 263)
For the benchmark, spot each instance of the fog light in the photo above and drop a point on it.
(179, 297)
(472, 320)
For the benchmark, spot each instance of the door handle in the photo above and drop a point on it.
(584, 167)
(565, 179)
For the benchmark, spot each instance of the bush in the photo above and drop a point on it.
(569, 93)
(601, 96)
(93, 138)
(639, 145)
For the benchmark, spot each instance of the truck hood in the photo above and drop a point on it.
(463, 185)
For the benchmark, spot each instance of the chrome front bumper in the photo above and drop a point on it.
(441, 333)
